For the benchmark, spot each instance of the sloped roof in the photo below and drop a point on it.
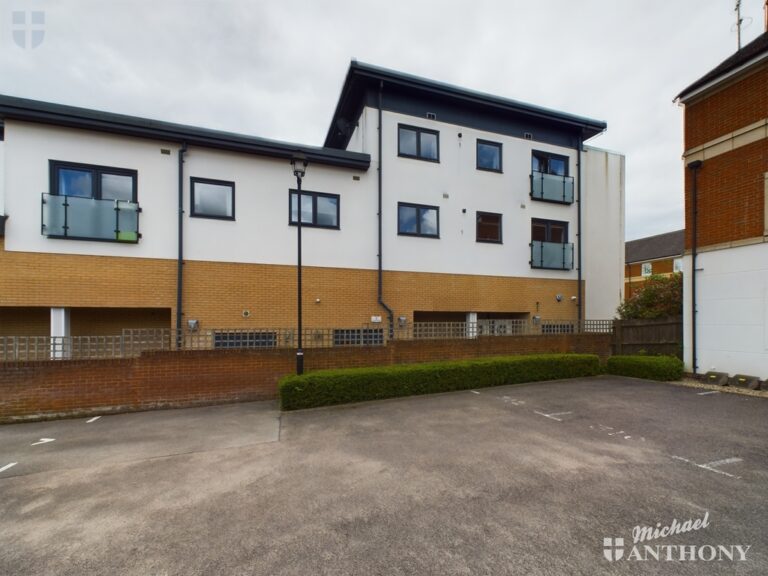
(653, 247)
(754, 49)
(61, 115)
(361, 76)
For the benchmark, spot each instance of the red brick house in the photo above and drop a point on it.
(726, 214)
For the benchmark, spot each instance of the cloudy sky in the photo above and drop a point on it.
(275, 68)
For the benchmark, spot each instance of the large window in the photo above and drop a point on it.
(414, 142)
(418, 220)
(318, 210)
(213, 199)
(488, 156)
(547, 163)
(549, 245)
(488, 227)
(89, 181)
(89, 202)
(549, 231)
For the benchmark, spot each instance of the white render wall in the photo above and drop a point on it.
(603, 232)
(260, 233)
(732, 304)
(2, 177)
(455, 185)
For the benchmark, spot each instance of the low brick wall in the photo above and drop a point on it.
(31, 390)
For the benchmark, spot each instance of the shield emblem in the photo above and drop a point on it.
(613, 549)
(28, 28)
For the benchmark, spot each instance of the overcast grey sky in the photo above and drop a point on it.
(275, 68)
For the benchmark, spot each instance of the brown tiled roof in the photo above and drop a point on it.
(755, 48)
(653, 247)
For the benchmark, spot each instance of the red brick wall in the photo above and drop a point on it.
(731, 196)
(729, 109)
(174, 379)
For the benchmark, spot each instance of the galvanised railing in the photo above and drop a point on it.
(132, 342)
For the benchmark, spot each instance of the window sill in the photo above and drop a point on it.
(317, 226)
(410, 235)
(409, 157)
(207, 217)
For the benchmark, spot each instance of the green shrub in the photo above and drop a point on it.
(649, 367)
(327, 387)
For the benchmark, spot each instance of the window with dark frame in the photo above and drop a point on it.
(418, 220)
(91, 181)
(91, 202)
(548, 163)
(488, 156)
(419, 143)
(488, 227)
(549, 231)
(318, 209)
(212, 198)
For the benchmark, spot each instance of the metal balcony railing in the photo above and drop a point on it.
(551, 187)
(79, 218)
(551, 255)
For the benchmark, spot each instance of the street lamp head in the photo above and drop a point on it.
(299, 165)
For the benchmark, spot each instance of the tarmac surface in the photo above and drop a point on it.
(528, 479)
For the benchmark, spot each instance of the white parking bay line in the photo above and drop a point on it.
(43, 441)
(92, 419)
(710, 467)
(707, 393)
(553, 416)
(722, 462)
(474, 392)
(7, 466)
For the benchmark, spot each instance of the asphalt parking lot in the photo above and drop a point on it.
(528, 479)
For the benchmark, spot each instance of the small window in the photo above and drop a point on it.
(549, 231)
(488, 227)
(89, 181)
(678, 265)
(318, 210)
(418, 220)
(647, 268)
(213, 199)
(488, 156)
(414, 142)
(547, 163)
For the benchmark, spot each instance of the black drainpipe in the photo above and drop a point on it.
(180, 260)
(579, 305)
(390, 314)
(694, 167)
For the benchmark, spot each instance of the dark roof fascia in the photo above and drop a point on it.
(73, 117)
(751, 53)
(587, 126)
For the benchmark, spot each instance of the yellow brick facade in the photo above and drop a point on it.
(217, 294)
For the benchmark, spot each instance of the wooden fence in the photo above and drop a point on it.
(662, 336)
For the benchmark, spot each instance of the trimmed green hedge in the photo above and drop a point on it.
(327, 387)
(649, 367)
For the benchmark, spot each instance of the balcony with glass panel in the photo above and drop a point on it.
(551, 255)
(79, 218)
(551, 187)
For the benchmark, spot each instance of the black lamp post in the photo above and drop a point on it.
(299, 165)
